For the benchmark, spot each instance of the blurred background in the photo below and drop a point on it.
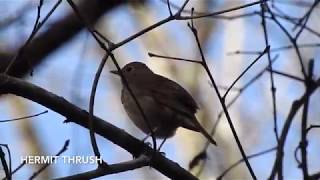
(69, 70)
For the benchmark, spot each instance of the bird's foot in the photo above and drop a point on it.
(148, 144)
(162, 153)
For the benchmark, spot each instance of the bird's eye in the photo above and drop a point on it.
(129, 69)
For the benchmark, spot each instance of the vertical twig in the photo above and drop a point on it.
(94, 86)
(37, 26)
(222, 101)
(169, 7)
(273, 89)
(304, 122)
(7, 170)
(63, 149)
(293, 111)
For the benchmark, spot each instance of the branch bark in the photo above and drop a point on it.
(296, 105)
(74, 114)
(59, 32)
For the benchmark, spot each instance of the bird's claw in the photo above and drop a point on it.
(148, 144)
(162, 153)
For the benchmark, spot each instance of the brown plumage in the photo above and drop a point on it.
(165, 103)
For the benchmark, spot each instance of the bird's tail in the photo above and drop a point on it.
(196, 126)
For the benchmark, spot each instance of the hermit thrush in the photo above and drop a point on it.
(165, 103)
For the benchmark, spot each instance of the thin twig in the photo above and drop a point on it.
(304, 121)
(111, 169)
(312, 126)
(293, 21)
(292, 40)
(91, 108)
(220, 12)
(18, 167)
(294, 109)
(169, 8)
(25, 117)
(173, 58)
(222, 101)
(278, 164)
(7, 170)
(177, 16)
(63, 149)
(287, 75)
(306, 18)
(222, 17)
(37, 26)
(218, 120)
(282, 48)
(238, 78)
(263, 7)
(94, 87)
(241, 160)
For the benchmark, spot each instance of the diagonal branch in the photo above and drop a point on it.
(5, 165)
(53, 38)
(111, 169)
(63, 149)
(294, 109)
(74, 114)
(222, 101)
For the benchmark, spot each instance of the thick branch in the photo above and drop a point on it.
(111, 169)
(294, 109)
(120, 137)
(58, 33)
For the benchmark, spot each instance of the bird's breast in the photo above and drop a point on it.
(161, 119)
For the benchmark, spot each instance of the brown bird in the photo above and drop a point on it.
(165, 103)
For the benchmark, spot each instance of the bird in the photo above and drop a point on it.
(165, 104)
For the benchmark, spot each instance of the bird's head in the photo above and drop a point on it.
(136, 71)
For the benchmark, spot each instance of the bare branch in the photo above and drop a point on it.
(111, 169)
(7, 170)
(63, 149)
(25, 117)
(251, 64)
(241, 160)
(222, 101)
(74, 114)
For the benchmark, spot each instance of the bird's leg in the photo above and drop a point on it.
(163, 141)
(148, 135)
(145, 138)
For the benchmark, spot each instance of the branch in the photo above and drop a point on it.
(263, 7)
(312, 126)
(63, 149)
(287, 75)
(5, 165)
(253, 62)
(53, 38)
(221, 100)
(282, 48)
(294, 109)
(25, 117)
(220, 12)
(74, 114)
(96, 80)
(37, 26)
(304, 121)
(110, 169)
(241, 160)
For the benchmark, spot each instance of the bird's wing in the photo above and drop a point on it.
(172, 95)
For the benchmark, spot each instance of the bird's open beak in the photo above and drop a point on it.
(115, 72)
